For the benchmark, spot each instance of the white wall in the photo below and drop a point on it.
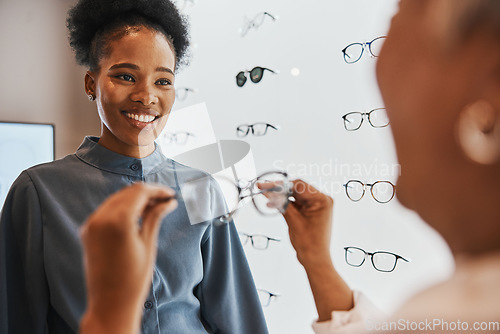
(41, 83)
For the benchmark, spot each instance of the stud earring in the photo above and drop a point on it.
(91, 97)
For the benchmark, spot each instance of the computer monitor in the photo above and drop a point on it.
(23, 145)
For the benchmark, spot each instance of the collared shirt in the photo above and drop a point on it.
(201, 281)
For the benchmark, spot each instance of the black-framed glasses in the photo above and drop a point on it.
(269, 192)
(382, 191)
(259, 241)
(266, 296)
(257, 129)
(179, 137)
(376, 117)
(381, 260)
(353, 52)
(256, 22)
(181, 93)
(256, 75)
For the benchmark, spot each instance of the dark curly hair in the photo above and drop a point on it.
(93, 24)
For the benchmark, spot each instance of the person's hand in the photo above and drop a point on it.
(120, 244)
(309, 221)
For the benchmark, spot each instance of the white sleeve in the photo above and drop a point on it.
(352, 321)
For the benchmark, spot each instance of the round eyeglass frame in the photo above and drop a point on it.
(371, 185)
(363, 47)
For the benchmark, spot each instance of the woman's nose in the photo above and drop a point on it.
(144, 94)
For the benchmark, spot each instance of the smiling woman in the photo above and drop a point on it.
(201, 281)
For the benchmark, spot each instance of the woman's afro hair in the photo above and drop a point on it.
(91, 18)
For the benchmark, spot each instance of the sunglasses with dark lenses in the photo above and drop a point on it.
(256, 75)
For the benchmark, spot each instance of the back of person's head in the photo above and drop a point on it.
(439, 75)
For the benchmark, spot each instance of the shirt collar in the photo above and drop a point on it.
(100, 157)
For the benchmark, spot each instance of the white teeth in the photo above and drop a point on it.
(141, 118)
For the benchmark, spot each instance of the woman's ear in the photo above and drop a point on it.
(478, 132)
(90, 85)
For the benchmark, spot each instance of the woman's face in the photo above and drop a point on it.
(134, 91)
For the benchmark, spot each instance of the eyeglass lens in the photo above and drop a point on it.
(378, 118)
(242, 130)
(256, 74)
(241, 79)
(271, 193)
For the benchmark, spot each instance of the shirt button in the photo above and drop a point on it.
(148, 305)
(134, 167)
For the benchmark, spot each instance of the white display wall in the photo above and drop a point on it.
(307, 99)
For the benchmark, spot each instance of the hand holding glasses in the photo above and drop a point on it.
(382, 191)
(259, 241)
(255, 23)
(270, 193)
(381, 261)
(258, 129)
(376, 117)
(353, 52)
(256, 75)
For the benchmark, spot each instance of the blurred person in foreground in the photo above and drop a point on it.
(439, 75)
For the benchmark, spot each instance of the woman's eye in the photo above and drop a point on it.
(163, 82)
(126, 77)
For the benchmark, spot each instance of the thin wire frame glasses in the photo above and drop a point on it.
(257, 129)
(258, 241)
(179, 137)
(265, 297)
(376, 117)
(270, 194)
(381, 260)
(255, 23)
(353, 52)
(382, 191)
(256, 75)
(182, 93)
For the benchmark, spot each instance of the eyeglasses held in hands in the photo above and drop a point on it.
(255, 23)
(258, 129)
(259, 241)
(381, 261)
(353, 52)
(270, 193)
(382, 191)
(376, 117)
(256, 75)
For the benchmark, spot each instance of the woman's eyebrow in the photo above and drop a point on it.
(165, 69)
(135, 67)
(124, 65)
